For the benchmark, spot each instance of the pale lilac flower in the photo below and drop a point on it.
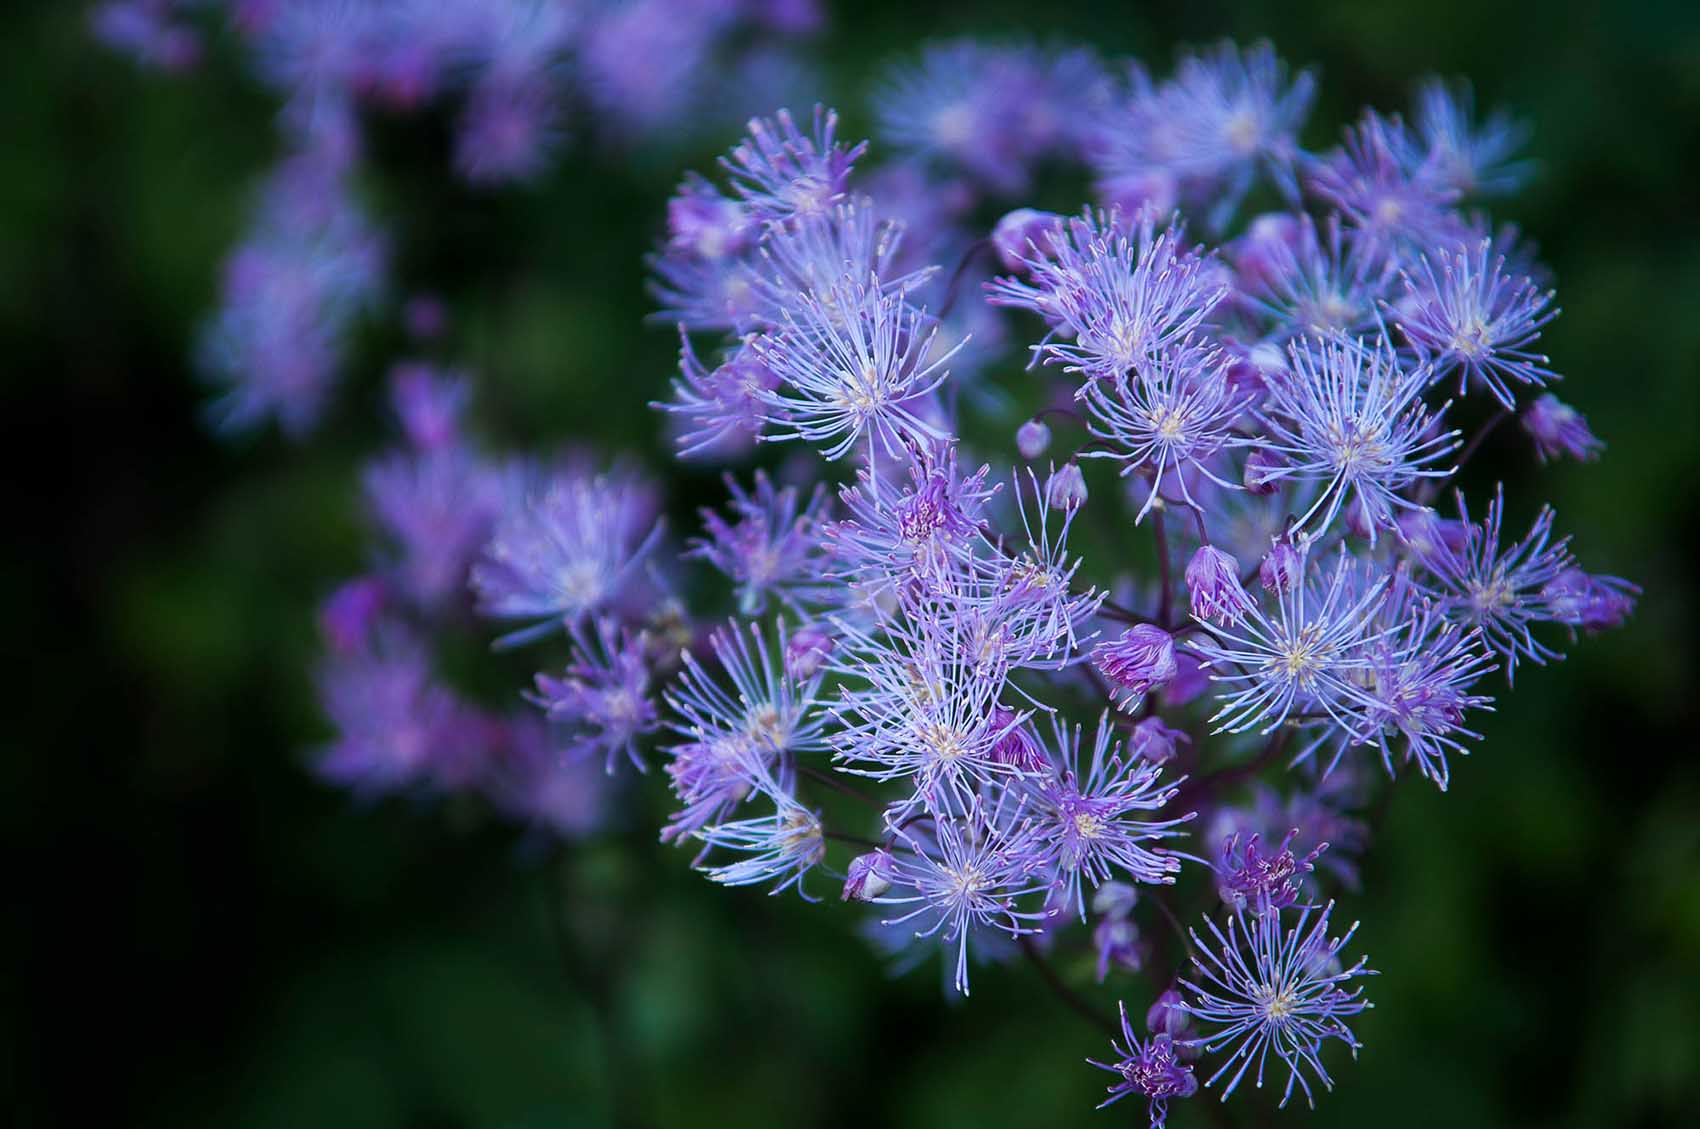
(1381, 180)
(1093, 821)
(1593, 603)
(720, 408)
(1311, 656)
(1268, 991)
(1351, 416)
(602, 701)
(1468, 314)
(972, 871)
(1266, 880)
(436, 508)
(1474, 160)
(772, 546)
(1065, 489)
(781, 847)
(1113, 296)
(781, 173)
(854, 365)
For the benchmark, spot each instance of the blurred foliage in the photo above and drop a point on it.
(207, 936)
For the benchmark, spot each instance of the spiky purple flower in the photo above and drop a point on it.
(1272, 991)
(1151, 1069)
(1470, 315)
(1559, 431)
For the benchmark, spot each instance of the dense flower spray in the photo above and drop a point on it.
(994, 700)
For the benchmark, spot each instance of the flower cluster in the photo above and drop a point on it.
(996, 701)
(1284, 406)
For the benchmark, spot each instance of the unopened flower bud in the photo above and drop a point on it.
(1154, 741)
(1168, 1014)
(868, 876)
(1114, 899)
(1213, 580)
(1066, 489)
(1021, 235)
(1032, 439)
(1559, 431)
(1280, 568)
(806, 651)
(1141, 660)
(1263, 471)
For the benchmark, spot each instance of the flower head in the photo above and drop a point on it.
(1151, 1069)
(1267, 990)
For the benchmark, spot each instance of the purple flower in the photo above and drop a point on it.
(1141, 660)
(349, 616)
(1593, 603)
(429, 404)
(1559, 431)
(1113, 297)
(1322, 284)
(1382, 182)
(1149, 1069)
(1473, 160)
(972, 871)
(780, 173)
(703, 223)
(533, 781)
(853, 366)
(932, 528)
(1352, 417)
(437, 508)
(509, 130)
(1269, 991)
(773, 546)
(396, 726)
(146, 30)
(1472, 317)
(1169, 415)
(1267, 881)
(783, 846)
(721, 408)
(1213, 582)
(1309, 657)
(565, 547)
(1089, 820)
(1502, 592)
(603, 699)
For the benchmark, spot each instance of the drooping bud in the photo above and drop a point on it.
(1156, 742)
(1263, 471)
(1281, 567)
(1168, 1014)
(1117, 942)
(1021, 235)
(1015, 745)
(1066, 489)
(1032, 439)
(1141, 660)
(807, 650)
(1213, 581)
(868, 876)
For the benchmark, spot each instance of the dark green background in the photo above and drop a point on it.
(202, 934)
